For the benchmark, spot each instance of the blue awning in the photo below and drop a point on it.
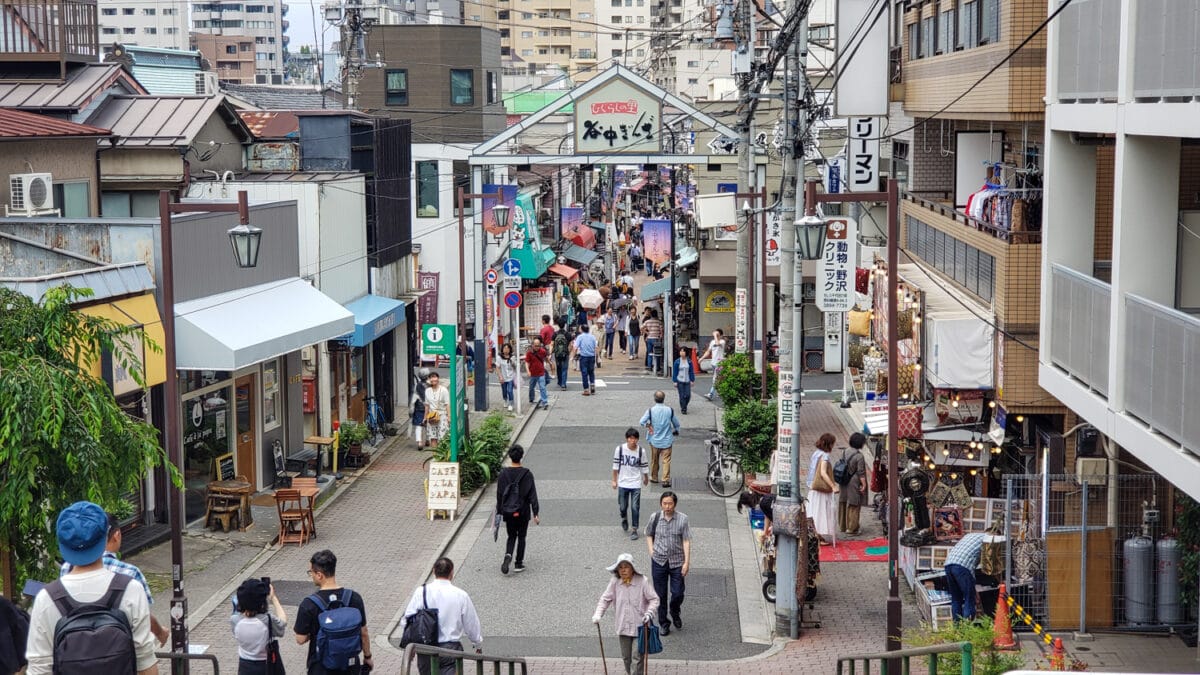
(579, 254)
(374, 315)
(597, 225)
(655, 289)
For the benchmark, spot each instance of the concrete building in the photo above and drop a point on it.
(146, 23)
(1121, 254)
(230, 56)
(625, 35)
(543, 34)
(426, 11)
(262, 24)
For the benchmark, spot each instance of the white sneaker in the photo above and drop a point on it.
(510, 408)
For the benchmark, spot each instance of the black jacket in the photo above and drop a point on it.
(14, 630)
(526, 488)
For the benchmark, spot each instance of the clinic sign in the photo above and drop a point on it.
(835, 269)
(617, 118)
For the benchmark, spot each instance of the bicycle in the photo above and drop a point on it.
(725, 476)
(376, 422)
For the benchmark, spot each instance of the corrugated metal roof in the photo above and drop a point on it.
(166, 80)
(112, 281)
(31, 91)
(271, 124)
(157, 121)
(20, 124)
(297, 176)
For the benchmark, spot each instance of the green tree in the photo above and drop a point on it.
(63, 437)
(750, 427)
(739, 381)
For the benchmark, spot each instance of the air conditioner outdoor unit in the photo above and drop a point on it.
(206, 83)
(30, 194)
(260, 78)
(1094, 470)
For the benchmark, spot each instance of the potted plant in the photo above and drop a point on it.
(352, 434)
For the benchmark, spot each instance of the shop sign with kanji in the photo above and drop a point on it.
(618, 118)
(835, 269)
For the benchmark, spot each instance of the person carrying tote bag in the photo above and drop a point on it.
(822, 495)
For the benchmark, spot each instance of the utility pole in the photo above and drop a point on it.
(746, 172)
(355, 18)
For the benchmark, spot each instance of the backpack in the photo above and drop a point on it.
(511, 502)
(422, 627)
(93, 637)
(339, 632)
(562, 347)
(841, 470)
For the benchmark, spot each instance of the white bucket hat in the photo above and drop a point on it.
(623, 558)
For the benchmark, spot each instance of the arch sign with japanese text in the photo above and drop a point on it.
(618, 118)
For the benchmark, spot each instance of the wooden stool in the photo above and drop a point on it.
(225, 510)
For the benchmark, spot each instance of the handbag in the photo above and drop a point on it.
(422, 627)
(274, 659)
(991, 558)
(879, 471)
(648, 640)
(820, 483)
(1029, 554)
(789, 518)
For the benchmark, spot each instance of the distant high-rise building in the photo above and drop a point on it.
(145, 23)
(215, 23)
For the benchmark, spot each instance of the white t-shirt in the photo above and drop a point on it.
(253, 634)
(630, 465)
(717, 349)
(507, 368)
(86, 587)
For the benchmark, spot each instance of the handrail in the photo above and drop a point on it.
(1015, 237)
(461, 658)
(178, 656)
(904, 655)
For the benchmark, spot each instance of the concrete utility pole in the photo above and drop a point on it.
(746, 172)
(355, 18)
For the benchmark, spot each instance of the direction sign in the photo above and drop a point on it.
(437, 339)
(512, 267)
(490, 276)
(512, 283)
(512, 299)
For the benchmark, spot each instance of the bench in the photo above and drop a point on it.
(306, 459)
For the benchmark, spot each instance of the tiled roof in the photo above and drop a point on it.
(276, 97)
(19, 124)
(32, 92)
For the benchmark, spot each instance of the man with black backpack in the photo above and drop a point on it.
(91, 620)
(451, 608)
(333, 623)
(850, 472)
(516, 502)
(561, 348)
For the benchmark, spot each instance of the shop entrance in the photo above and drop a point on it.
(383, 351)
(247, 429)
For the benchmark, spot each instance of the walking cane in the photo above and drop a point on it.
(602, 661)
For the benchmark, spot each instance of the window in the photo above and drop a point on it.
(947, 27)
(542, 51)
(130, 30)
(641, 19)
(505, 34)
(585, 15)
(616, 53)
(693, 80)
(397, 87)
(526, 15)
(819, 33)
(502, 15)
(246, 46)
(927, 33)
(616, 19)
(272, 395)
(127, 11)
(616, 36)
(543, 33)
(616, 3)
(493, 87)
(231, 49)
(169, 12)
(584, 34)
(71, 199)
(526, 52)
(989, 22)
(641, 52)
(172, 31)
(462, 86)
(427, 189)
(108, 11)
(151, 30)
(968, 25)
(526, 33)
(148, 12)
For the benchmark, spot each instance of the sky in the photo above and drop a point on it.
(300, 25)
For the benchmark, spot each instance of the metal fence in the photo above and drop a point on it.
(1079, 330)
(1093, 552)
(1162, 356)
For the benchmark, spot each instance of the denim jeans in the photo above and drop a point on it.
(630, 499)
(685, 394)
(561, 368)
(633, 345)
(662, 575)
(651, 362)
(962, 591)
(540, 383)
(587, 368)
(608, 344)
(506, 392)
(712, 391)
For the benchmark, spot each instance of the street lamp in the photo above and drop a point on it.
(245, 239)
(810, 237)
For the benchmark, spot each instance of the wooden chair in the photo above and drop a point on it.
(308, 482)
(293, 525)
(225, 510)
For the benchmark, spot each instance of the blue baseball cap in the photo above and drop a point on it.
(82, 533)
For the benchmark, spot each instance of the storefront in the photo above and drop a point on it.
(367, 353)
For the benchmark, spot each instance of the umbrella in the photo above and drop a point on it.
(619, 303)
(590, 298)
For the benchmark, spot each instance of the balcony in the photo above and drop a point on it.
(1079, 326)
(1089, 33)
(1161, 360)
(1166, 50)
(994, 231)
(49, 32)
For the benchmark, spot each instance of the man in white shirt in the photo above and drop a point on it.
(716, 351)
(82, 531)
(456, 615)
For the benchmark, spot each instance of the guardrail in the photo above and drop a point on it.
(849, 663)
(461, 659)
(1162, 357)
(1079, 326)
(179, 661)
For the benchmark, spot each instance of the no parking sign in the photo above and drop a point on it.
(512, 299)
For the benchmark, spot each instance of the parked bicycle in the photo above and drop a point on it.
(724, 476)
(376, 421)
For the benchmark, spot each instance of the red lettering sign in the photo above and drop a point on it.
(629, 107)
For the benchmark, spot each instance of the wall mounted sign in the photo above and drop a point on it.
(618, 118)
(718, 301)
(835, 269)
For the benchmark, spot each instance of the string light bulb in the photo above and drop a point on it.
(916, 367)
(953, 476)
(954, 403)
(1020, 419)
(932, 466)
(916, 318)
(945, 452)
(974, 472)
(992, 404)
(970, 455)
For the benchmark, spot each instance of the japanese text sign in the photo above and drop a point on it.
(835, 268)
(863, 155)
(617, 118)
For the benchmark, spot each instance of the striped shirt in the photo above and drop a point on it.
(117, 566)
(669, 536)
(966, 551)
(652, 329)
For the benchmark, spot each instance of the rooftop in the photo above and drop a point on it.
(31, 91)
(281, 97)
(16, 124)
(161, 121)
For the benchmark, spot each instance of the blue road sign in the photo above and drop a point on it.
(512, 299)
(512, 267)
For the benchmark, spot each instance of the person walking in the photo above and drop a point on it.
(254, 627)
(630, 473)
(635, 335)
(517, 504)
(536, 361)
(506, 371)
(14, 635)
(961, 562)
(585, 347)
(561, 351)
(716, 352)
(683, 375)
(652, 329)
(312, 614)
(437, 409)
(623, 327)
(634, 604)
(610, 332)
(546, 332)
(662, 426)
(456, 616)
(669, 540)
(853, 494)
(822, 491)
(419, 411)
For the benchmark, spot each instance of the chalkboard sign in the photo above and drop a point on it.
(225, 469)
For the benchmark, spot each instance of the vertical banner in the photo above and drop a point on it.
(781, 471)
(572, 222)
(510, 200)
(740, 339)
(834, 338)
(835, 269)
(863, 150)
(774, 232)
(427, 304)
(525, 227)
(656, 240)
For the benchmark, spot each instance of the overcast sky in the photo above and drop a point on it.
(300, 25)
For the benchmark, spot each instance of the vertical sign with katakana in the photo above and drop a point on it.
(835, 269)
(784, 446)
(862, 155)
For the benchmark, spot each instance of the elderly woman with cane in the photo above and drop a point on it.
(636, 603)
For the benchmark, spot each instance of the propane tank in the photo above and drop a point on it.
(1138, 556)
(1169, 555)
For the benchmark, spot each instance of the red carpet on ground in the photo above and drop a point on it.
(856, 550)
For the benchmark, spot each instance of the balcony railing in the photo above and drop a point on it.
(1166, 50)
(1089, 32)
(41, 30)
(1016, 237)
(1079, 329)
(1162, 360)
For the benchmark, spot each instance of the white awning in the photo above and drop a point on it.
(239, 328)
(959, 341)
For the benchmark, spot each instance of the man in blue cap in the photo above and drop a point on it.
(82, 531)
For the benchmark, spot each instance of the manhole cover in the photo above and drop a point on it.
(706, 585)
(292, 592)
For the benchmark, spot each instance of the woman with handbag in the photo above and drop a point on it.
(823, 491)
(635, 603)
(257, 630)
(437, 409)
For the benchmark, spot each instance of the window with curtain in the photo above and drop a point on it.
(427, 189)
(927, 36)
(946, 26)
(397, 87)
(914, 41)
(968, 25)
(989, 21)
(462, 86)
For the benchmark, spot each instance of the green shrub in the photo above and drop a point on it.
(738, 381)
(751, 429)
(480, 456)
(986, 659)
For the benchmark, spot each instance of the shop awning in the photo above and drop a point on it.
(598, 226)
(655, 289)
(565, 271)
(374, 315)
(584, 237)
(636, 185)
(579, 254)
(687, 256)
(139, 310)
(239, 328)
(959, 342)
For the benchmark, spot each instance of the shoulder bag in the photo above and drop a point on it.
(422, 627)
(648, 640)
(820, 483)
(1029, 553)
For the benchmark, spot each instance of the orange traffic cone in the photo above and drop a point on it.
(1058, 659)
(1002, 628)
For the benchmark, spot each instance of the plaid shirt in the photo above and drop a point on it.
(966, 551)
(669, 536)
(117, 566)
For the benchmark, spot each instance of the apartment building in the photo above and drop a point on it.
(1120, 315)
(145, 23)
(232, 57)
(625, 36)
(539, 36)
(425, 11)
(262, 22)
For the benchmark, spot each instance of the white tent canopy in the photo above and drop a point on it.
(959, 342)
